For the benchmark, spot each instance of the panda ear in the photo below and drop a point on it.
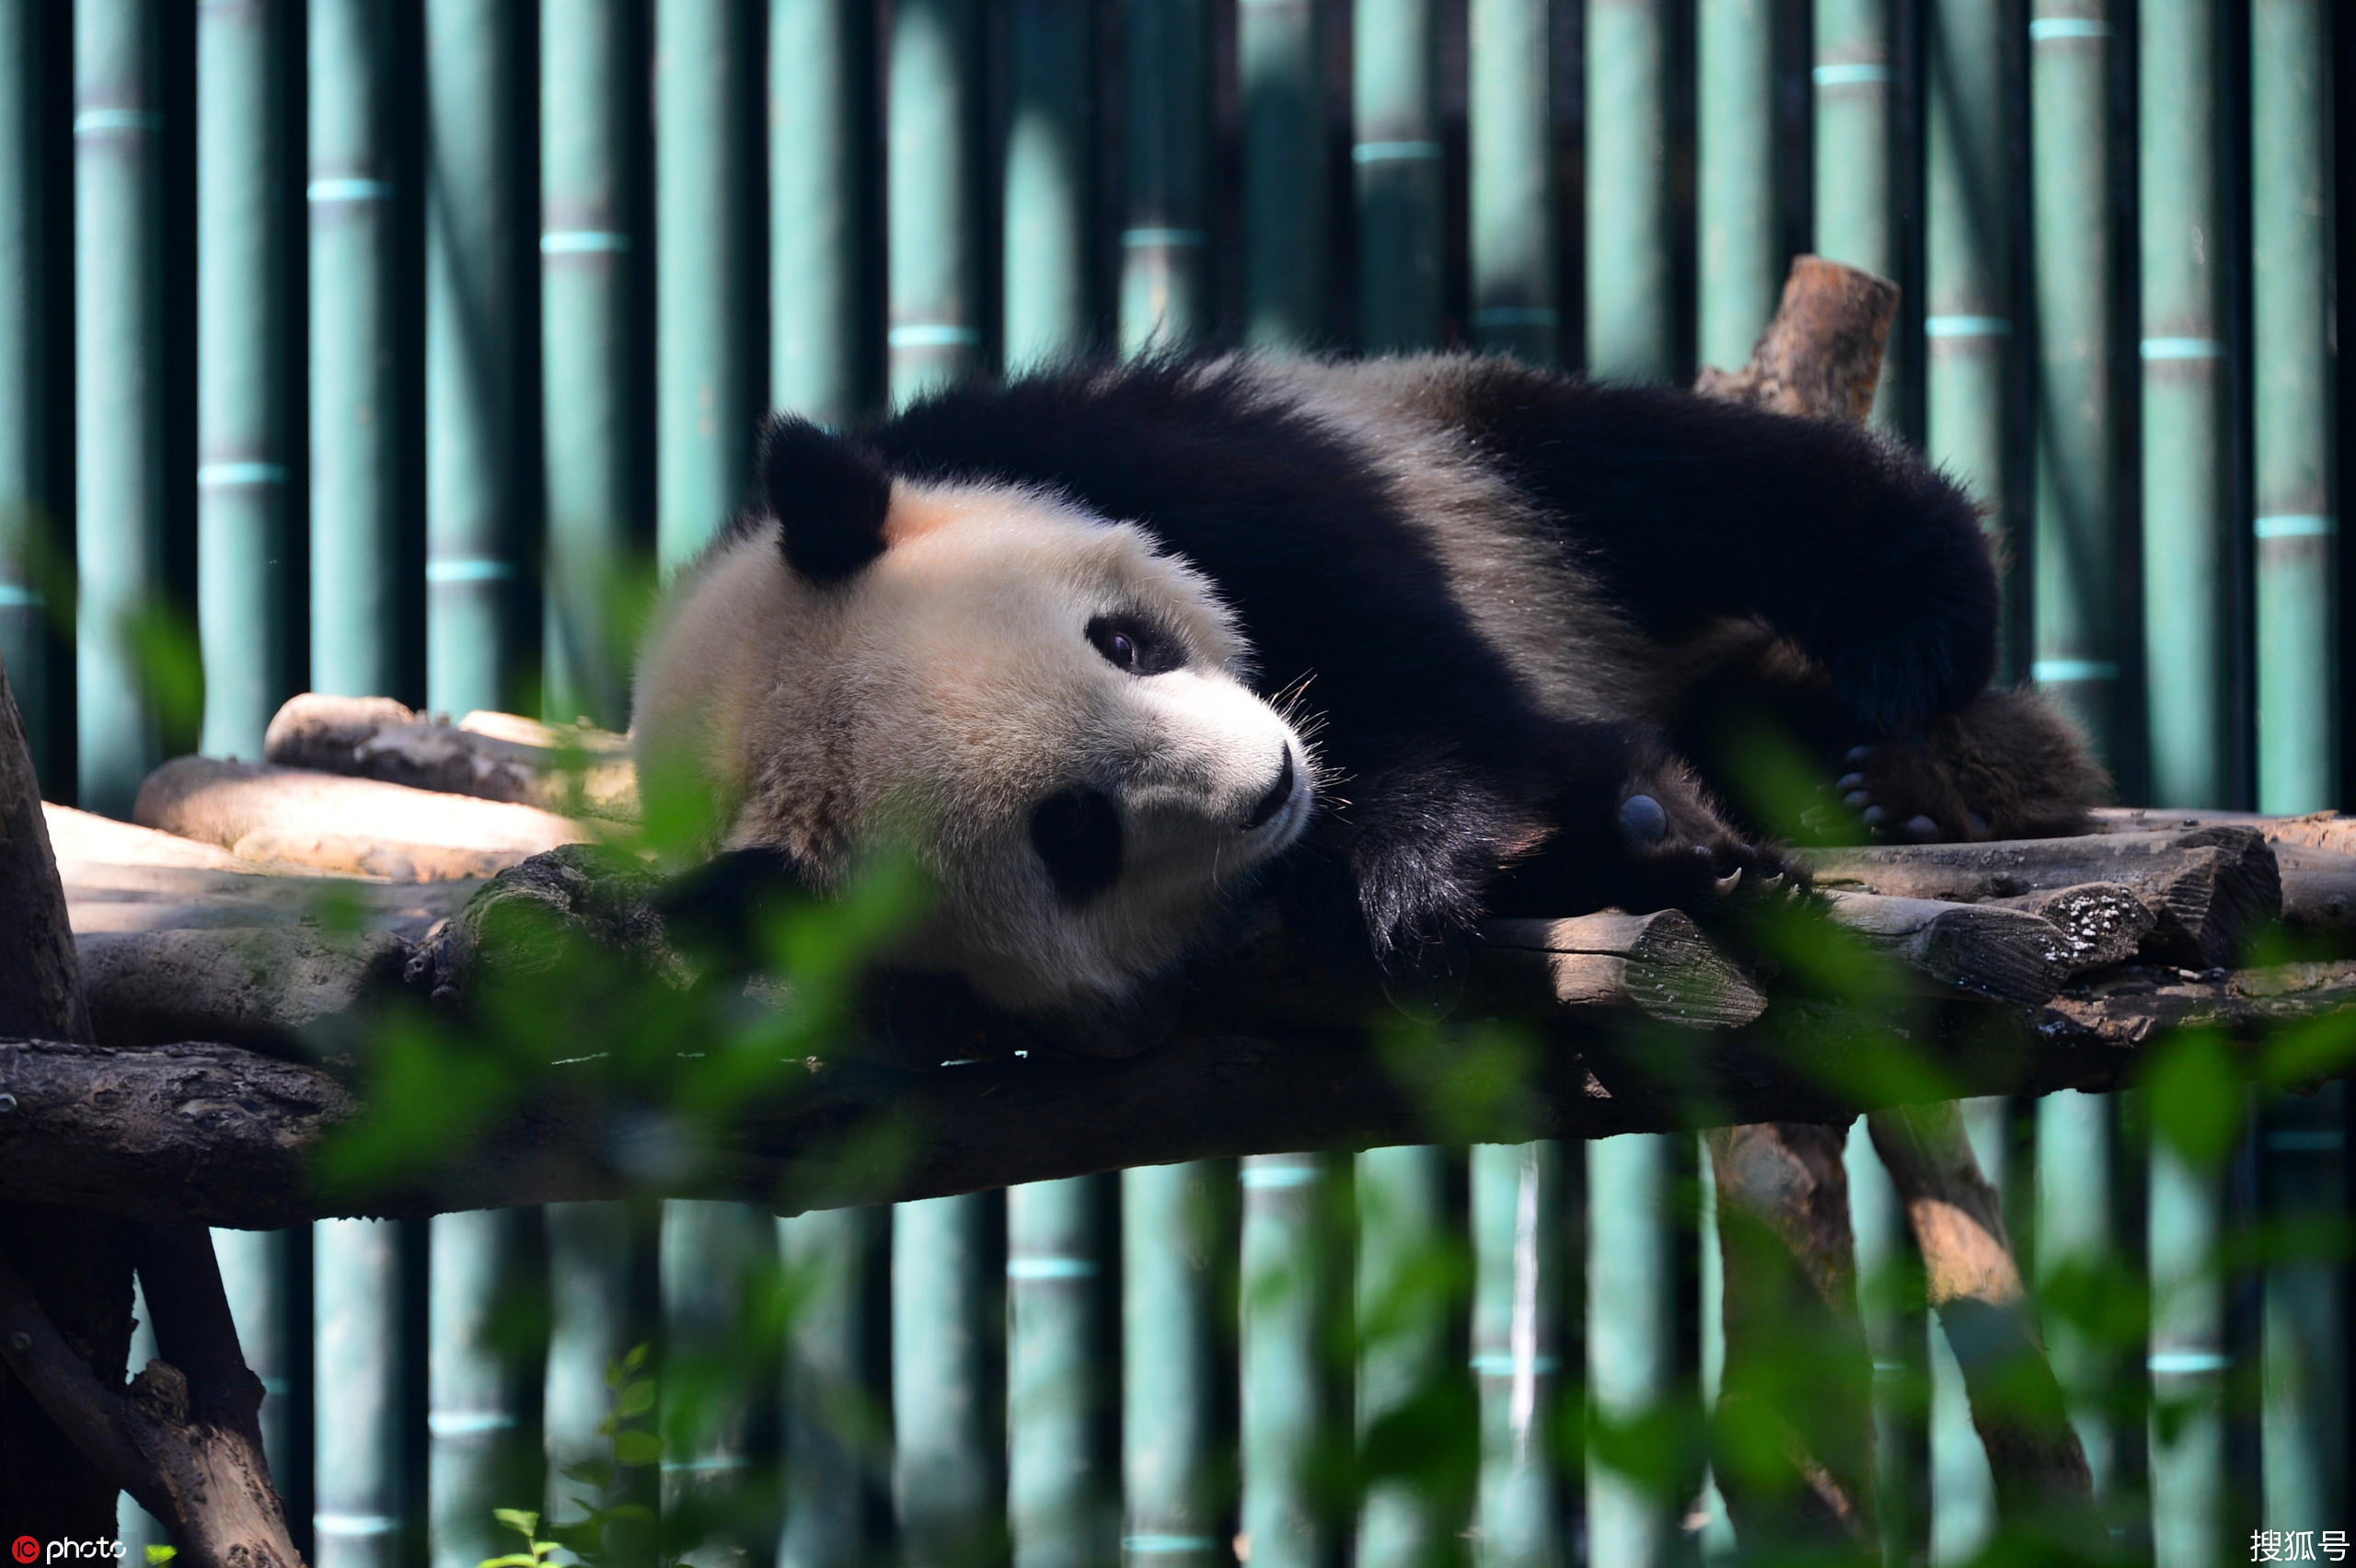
(829, 496)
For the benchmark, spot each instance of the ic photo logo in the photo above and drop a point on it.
(25, 1549)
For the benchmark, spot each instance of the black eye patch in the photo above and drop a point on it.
(1132, 642)
(1077, 835)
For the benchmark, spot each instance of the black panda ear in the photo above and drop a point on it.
(829, 496)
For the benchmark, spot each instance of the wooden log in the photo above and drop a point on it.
(570, 769)
(294, 817)
(217, 1135)
(1821, 357)
(281, 988)
(1983, 1307)
(1658, 963)
(2209, 888)
(2010, 955)
(2103, 922)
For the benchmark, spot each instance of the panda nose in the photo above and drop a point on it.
(1274, 800)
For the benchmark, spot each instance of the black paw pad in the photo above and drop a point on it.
(1642, 822)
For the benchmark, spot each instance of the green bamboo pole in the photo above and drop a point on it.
(1741, 262)
(1889, 1299)
(1282, 1396)
(1968, 323)
(1715, 1536)
(2188, 566)
(827, 1410)
(243, 516)
(474, 235)
(1517, 1356)
(2188, 1360)
(1630, 333)
(1047, 181)
(1630, 1329)
(1170, 1438)
(1403, 1305)
(932, 192)
(1165, 136)
(946, 1427)
(2298, 607)
(822, 241)
(2303, 1339)
(118, 388)
(1963, 1491)
(357, 1443)
(2076, 550)
(708, 1257)
(589, 241)
(1857, 206)
(1280, 64)
(482, 1409)
(257, 1275)
(706, 397)
(1396, 158)
(24, 405)
(2076, 1231)
(1510, 133)
(601, 1298)
(1056, 1492)
(358, 561)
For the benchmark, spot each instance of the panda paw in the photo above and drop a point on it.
(1687, 858)
(1894, 792)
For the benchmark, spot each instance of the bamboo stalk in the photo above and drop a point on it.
(710, 1254)
(1169, 1437)
(259, 1273)
(1511, 131)
(932, 193)
(2303, 1434)
(1631, 325)
(2298, 610)
(1517, 1204)
(1889, 1301)
(2076, 553)
(2190, 566)
(361, 558)
(1397, 158)
(362, 1496)
(2077, 1232)
(1969, 324)
(706, 397)
(947, 1424)
(482, 1427)
(1631, 1336)
(1050, 175)
(1404, 1365)
(828, 1413)
(1281, 71)
(1741, 261)
(244, 600)
(589, 241)
(1165, 131)
(602, 1301)
(2188, 1358)
(24, 403)
(1855, 80)
(1284, 1285)
(119, 387)
(1056, 1491)
(823, 359)
(475, 236)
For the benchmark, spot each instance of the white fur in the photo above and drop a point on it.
(941, 695)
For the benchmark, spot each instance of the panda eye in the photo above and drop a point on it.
(1132, 643)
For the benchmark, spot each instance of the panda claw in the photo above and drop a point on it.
(1849, 782)
(1920, 829)
(1873, 816)
(1817, 819)
(1856, 799)
(1728, 883)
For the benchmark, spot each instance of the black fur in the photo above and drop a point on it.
(1451, 794)
(1077, 835)
(829, 495)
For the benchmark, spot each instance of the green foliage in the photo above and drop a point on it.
(612, 1532)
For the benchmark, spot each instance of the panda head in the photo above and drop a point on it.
(1049, 710)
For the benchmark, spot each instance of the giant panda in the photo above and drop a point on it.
(1383, 646)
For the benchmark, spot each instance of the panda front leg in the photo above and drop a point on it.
(1679, 848)
(2005, 766)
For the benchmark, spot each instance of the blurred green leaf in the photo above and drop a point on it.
(632, 1447)
(2198, 1101)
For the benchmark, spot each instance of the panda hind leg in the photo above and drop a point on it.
(2007, 766)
